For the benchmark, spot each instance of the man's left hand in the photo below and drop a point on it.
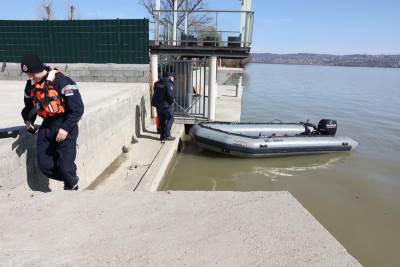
(61, 135)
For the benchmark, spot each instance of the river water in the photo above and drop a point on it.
(355, 196)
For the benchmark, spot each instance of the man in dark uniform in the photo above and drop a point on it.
(56, 98)
(163, 99)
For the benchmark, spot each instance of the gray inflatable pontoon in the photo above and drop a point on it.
(271, 139)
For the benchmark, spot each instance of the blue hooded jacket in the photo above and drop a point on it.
(163, 96)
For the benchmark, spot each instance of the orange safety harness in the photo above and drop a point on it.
(47, 102)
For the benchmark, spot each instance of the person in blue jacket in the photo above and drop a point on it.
(56, 98)
(163, 99)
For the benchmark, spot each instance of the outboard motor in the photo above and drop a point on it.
(327, 127)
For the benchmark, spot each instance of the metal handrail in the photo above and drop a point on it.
(202, 41)
(171, 35)
(202, 11)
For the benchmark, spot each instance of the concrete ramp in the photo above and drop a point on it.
(163, 229)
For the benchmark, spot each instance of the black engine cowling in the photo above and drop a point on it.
(327, 127)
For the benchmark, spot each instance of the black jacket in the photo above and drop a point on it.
(163, 96)
(68, 89)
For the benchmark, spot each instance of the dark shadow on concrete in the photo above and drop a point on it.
(140, 126)
(143, 113)
(150, 137)
(151, 132)
(228, 95)
(26, 143)
(138, 130)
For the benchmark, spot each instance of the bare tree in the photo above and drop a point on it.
(47, 10)
(193, 5)
(71, 12)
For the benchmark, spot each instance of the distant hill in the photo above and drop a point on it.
(384, 61)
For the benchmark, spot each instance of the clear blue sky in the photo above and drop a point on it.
(281, 26)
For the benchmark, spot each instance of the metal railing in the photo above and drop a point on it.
(213, 32)
(190, 86)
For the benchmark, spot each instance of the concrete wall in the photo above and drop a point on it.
(18, 161)
(228, 76)
(107, 126)
(133, 73)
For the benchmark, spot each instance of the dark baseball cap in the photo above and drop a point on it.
(168, 74)
(31, 63)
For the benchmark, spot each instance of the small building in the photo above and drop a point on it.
(191, 50)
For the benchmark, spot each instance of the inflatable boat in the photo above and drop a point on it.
(271, 139)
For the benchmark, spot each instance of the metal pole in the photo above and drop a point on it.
(186, 16)
(154, 78)
(239, 87)
(212, 88)
(216, 21)
(158, 21)
(203, 88)
(248, 5)
(175, 26)
(166, 25)
(242, 21)
(246, 21)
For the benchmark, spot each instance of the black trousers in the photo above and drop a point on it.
(57, 159)
(166, 116)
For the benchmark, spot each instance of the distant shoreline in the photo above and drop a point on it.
(316, 65)
(372, 61)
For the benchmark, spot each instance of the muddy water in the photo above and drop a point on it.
(356, 196)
